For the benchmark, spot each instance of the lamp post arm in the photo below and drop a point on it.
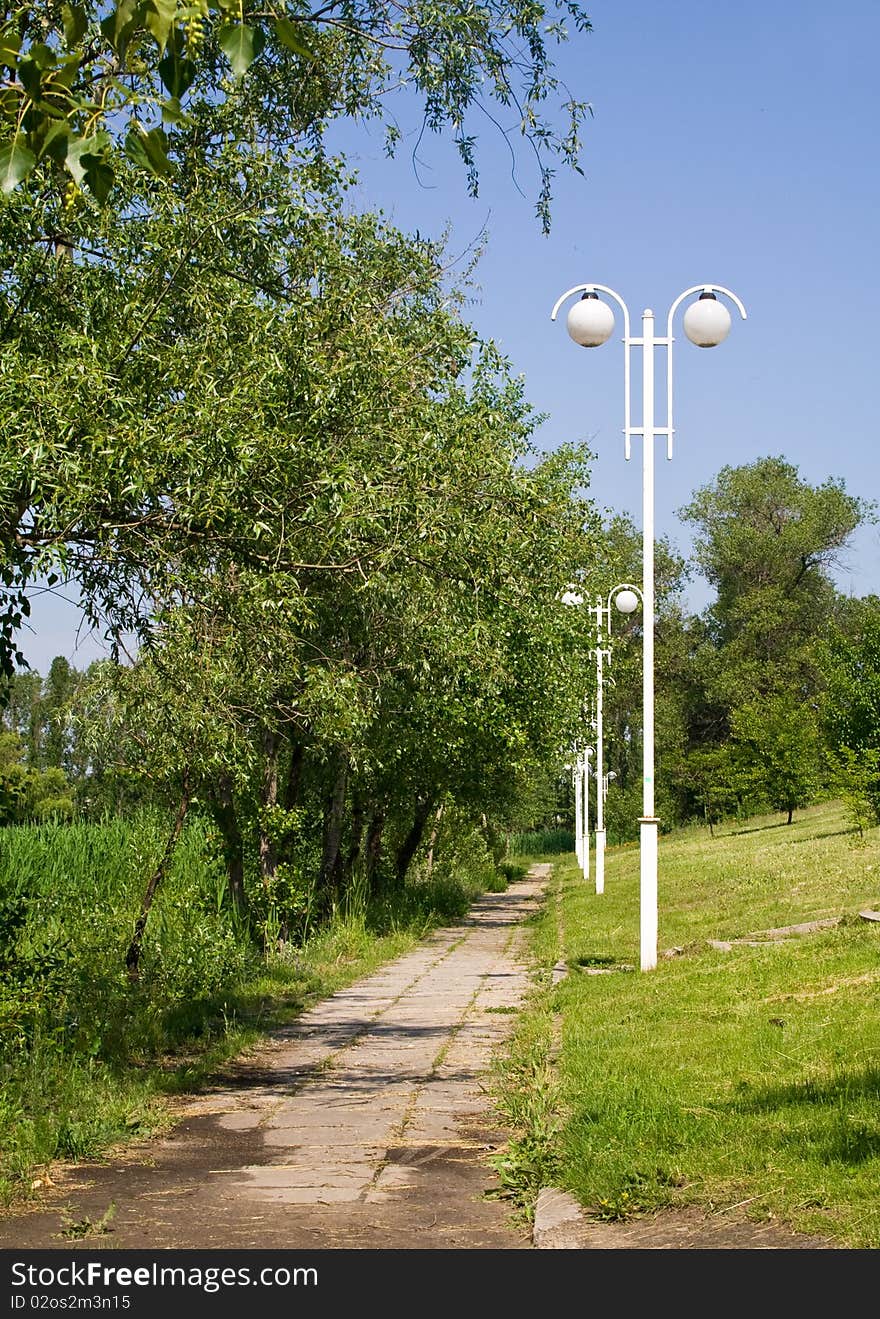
(697, 288)
(603, 288)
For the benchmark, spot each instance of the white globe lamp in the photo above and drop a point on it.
(707, 321)
(590, 321)
(626, 602)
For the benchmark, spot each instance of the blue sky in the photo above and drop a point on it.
(733, 144)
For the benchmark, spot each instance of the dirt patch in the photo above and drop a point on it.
(561, 1224)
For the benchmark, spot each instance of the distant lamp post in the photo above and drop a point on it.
(582, 809)
(609, 778)
(626, 598)
(590, 322)
(572, 597)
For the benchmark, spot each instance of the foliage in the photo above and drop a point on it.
(26, 793)
(850, 658)
(856, 777)
(739, 690)
(766, 541)
(776, 750)
(94, 88)
(716, 787)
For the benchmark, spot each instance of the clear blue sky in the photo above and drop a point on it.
(734, 144)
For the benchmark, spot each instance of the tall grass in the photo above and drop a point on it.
(541, 842)
(745, 1081)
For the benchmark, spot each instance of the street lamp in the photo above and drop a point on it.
(590, 322)
(572, 597)
(626, 598)
(581, 780)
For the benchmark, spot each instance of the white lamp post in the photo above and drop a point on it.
(578, 808)
(581, 785)
(572, 597)
(626, 597)
(590, 322)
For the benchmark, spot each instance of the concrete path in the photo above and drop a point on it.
(364, 1124)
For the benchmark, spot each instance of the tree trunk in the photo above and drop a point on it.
(409, 846)
(790, 814)
(293, 781)
(333, 812)
(133, 956)
(438, 816)
(357, 834)
(233, 844)
(373, 844)
(268, 798)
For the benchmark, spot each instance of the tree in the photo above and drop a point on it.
(777, 746)
(21, 712)
(850, 662)
(204, 122)
(766, 540)
(350, 573)
(137, 448)
(27, 793)
(750, 689)
(715, 781)
(58, 691)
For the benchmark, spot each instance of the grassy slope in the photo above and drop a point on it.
(746, 1078)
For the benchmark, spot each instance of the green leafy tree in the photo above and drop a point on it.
(850, 660)
(338, 640)
(58, 690)
(27, 793)
(777, 745)
(205, 120)
(766, 541)
(851, 666)
(21, 712)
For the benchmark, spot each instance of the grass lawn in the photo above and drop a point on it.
(743, 1080)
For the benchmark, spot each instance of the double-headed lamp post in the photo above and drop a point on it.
(590, 322)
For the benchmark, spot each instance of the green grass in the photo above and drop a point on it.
(745, 1081)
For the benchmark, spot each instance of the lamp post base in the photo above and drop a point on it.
(600, 860)
(648, 829)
